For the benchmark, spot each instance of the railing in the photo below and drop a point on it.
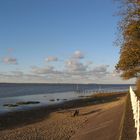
(136, 109)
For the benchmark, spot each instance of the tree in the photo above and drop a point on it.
(129, 28)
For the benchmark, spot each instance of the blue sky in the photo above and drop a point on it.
(58, 41)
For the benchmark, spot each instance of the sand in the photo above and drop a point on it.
(104, 125)
(60, 124)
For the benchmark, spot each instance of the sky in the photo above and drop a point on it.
(59, 41)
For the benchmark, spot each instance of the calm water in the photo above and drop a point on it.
(45, 93)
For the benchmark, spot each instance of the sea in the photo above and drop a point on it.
(49, 94)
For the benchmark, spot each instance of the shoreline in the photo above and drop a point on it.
(17, 119)
(96, 119)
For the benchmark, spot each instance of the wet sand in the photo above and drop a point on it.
(57, 122)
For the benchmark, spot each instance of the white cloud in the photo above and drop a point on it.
(20, 77)
(78, 55)
(51, 59)
(49, 75)
(88, 63)
(75, 66)
(17, 73)
(9, 60)
(72, 71)
(101, 69)
(47, 70)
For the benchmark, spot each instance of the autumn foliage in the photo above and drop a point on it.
(129, 61)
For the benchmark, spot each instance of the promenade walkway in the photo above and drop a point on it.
(106, 125)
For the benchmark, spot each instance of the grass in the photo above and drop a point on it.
(129, 131)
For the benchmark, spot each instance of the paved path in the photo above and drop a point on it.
(103, 126)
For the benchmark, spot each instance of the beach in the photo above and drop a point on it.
(58, 122)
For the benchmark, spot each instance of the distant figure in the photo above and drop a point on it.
(76, 113)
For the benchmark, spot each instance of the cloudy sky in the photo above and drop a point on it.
(58, 41)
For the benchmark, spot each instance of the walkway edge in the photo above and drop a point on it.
(123, 118)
